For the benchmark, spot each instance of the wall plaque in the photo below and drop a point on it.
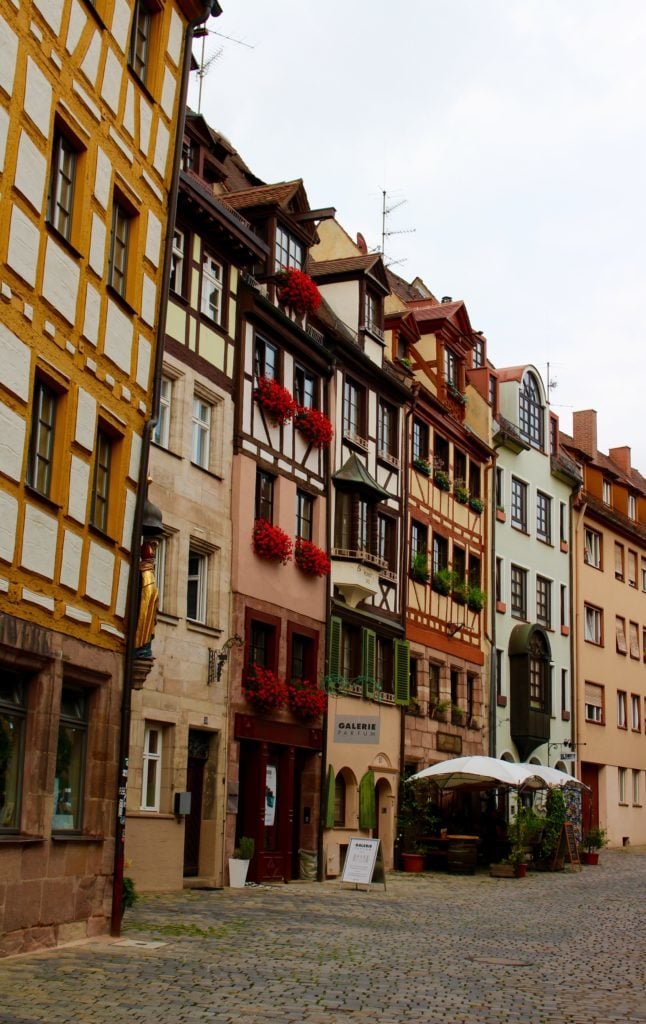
(356, 729)
(449, 744)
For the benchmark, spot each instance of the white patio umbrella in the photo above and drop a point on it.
(476, 770)
(553, 776)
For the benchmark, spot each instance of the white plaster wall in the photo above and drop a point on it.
(122, 589)
(343, 297)
(61, 280)
(112, 75)
(75, 26)
(24, 241)
(8, 53)
(135, 457)
(96, 257)
(85, 420)
(31, 170)
(145, 124)
(51, 11)
(118, 337)
(121, 23)
(148, 297)
(8, 521)
(12, 442)
(128, 120)
(161, 149)
(102, 178)
(77, 498)
(175, 34)
(4, 127)
(15, 358)
(92, 314)
(143, 363)
(153, 238)
(38, 97)
(71, 560)
(39, 541)
(100, 571)
(90, 65)
(128, 520)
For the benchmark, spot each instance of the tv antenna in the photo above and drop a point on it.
(206, 63)
(385, 213)
(551, 383)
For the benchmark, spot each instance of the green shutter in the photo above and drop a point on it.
(334, 650)
(368, 660)
(329, 798)
(402, 672)
(367, 803)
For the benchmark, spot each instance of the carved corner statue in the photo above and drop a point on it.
(148, 603)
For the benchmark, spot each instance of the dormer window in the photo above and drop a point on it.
(607, 492)
(289, 253)
(189, 155)
(371, 312)
(530, 412)
(632, 507)
(450, 367)
(478, 353)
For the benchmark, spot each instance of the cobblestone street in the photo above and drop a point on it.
(562, 948)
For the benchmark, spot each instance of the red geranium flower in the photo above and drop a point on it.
(263, 689)
(310, 559)
(297, 289)
(305, 699)
(315, 426)
(275, 400)
(270, 542)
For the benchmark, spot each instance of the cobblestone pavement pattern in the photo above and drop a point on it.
(566, 948)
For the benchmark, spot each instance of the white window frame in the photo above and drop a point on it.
(161, 555)
(161, 433)
(607, 492)
(212, 288)
(201, 578)
(635, 712)
(632, 507)
(520, 490)
(202, 422)
(636, 787)
(595, 712)
(621, 779)
(622, 712)
(150, 759)
(544, 503)
(592, 547)
(177, 262)
(593, 625)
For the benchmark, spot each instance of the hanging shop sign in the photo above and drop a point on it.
(356, 729)
(270, 795)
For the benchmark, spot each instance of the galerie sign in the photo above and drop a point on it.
(360, 860)
(356, 729)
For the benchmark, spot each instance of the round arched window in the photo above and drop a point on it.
(531, 414)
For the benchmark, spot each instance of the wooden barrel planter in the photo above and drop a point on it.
(462, 857)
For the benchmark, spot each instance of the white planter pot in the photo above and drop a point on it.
(238, 873)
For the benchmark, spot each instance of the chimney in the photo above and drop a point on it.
(584, 429)
(447, 298)
(621, 458)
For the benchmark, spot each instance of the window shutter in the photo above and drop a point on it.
(634, 640)
(402, 672)
(368, 660)
(594, 695)
(334, 649)
(329, 798)
(367, 803)
(621, 636)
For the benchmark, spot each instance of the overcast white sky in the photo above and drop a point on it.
(515, 131)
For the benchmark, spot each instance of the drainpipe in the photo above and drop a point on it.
(493, 667)
(320, 848)
(210, 7)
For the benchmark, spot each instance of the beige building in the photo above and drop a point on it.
(87, 132)
(179, 725)
(610, 632)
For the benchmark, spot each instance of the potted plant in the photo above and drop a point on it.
(275, 400)
(476, 505)
(129, 894)
(441, 480)
(297, 290)
(458, 715)
(417, 819)
(239, 863)
(476, 599)
(594, 840)
(314, 426)
(459, 590)
(438, 709)
(419, 567)
(554, 821)
(422, 466)
(263, 689)
(270, 542)
(310, 559)
(443, 581)
(460, 493)
(305, 699)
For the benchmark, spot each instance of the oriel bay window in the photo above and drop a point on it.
(69, 776)
(355, 528)
(13, 711)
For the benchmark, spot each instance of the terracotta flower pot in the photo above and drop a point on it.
(413, 862)
(590, 857)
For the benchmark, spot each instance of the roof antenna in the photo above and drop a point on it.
(385, 212)
(205, 65)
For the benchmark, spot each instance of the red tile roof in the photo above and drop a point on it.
(263, 195)
(344, 265)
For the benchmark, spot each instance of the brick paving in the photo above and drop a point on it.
(565, 948)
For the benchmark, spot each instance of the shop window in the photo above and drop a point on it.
(71, 751)
(13, 712)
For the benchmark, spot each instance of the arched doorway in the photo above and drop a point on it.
(384, 819)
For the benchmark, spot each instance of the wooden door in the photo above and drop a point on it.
(198, 752)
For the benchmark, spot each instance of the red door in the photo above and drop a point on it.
(590, 777)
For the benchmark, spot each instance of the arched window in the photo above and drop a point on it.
(531, 413)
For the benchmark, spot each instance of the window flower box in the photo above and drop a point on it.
(314, 426)
(271, 543)
(460, 590)
(275, 400)
(441, 480)
(476, 599)
(422, 466)
(442, 581)
(311, 560)
(305, 699)
(460, 493)
(297, 290)
(263, 689)
(476, 505)
(419, 567)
